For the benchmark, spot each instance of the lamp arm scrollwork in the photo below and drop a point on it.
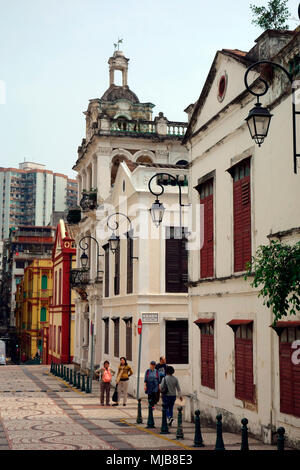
(266, 85)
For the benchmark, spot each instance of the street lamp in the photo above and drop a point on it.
(84, 259)
(114, 240)
(157, 209)
(259, 118)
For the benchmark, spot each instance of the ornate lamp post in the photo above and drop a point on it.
(114, 240)
(157, 209)
(84, 259)
(259, 117)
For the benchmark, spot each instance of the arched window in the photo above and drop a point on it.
(44, 281)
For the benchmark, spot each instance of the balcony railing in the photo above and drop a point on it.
(133, 127)
(80, 277)
(88, 201)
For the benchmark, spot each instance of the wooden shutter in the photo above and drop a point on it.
(242, 216)
(289, 380)
(207, 358)
(177, 349)
(116, 336)
(244, 369)
(129, 339)
(117, 271)
(106, 336)
(106, 249)
(207, 250)
(129, 264)
(176, 263)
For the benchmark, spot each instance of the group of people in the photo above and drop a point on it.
(159, 380)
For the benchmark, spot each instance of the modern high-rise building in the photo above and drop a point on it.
(31, 193)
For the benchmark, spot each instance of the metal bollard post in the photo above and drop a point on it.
(74, 381)
(280, 440)
(55, 369)
(71, 377)
(198, 441)
(78, 380)
(164, 425)
(244, 445)
(139, 418)
(67, 375)
(150, 421)
(179, 432)
(87, 389)
(83, 383)
(219, 441)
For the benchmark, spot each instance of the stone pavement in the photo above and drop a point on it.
(39, 411)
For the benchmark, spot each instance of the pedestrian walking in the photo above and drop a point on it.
(124, 372)
(161, 367)
(105, 375)
(151, 383)
(168, 387)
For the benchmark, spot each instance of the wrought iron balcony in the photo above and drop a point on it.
(80, 277)
(89, 200)
(74, 216)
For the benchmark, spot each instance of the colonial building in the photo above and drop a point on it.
(33, 301)
(60, 343)
(241, 366)
(121, 129)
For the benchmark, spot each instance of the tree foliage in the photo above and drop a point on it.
(276, 268)
(274, 16)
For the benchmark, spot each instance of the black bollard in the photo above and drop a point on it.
(87, 389)
(139, 418)
(51, 368)
(164, 425)
(67, 375)
(55, 369)
(280, 440)
(150, 421)
(244, 445)
(198, 441)
(74, 381)
(219, 440)
(83, 384)
(71, 377)
(64, 372)
(78, 380)
(179, 432)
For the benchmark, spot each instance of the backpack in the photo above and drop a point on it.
(148, 372)
(106, 376)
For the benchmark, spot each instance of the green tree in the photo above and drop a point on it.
(276, 268)
(274, 16)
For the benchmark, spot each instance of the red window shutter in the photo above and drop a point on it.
(207, 250)
(244, 369)
(289, 381)
(207, 361)
(242, 223)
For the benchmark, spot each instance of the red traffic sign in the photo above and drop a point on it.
(140, 326)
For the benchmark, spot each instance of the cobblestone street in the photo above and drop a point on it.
(39, 411)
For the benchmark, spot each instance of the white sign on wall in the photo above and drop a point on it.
(149, 317)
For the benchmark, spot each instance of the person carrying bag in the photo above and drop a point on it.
(124, 372)
(105, 376)
(168, 387)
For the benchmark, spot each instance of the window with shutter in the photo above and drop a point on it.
(177, 348)
(116, 337)
(106, 268)
(117, 271)
(207, 250)
(241, 215)
(129, 339)
(43, 316)
(44, 281)
(129, 264)
(106, 336)
(244, 386)
(176, 274)
(289, 374)
(207, 356)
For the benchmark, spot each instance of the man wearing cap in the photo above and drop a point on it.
(151, 382)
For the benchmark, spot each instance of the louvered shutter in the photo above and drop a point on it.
(177, 342)
(176, 263)
(289, 381)
(207, 250)
(129, 265)
(129, 340)
(106, 248)
(242, 220)
(244, 369)
(117, 271)
(207, 361)
(106, 336)
(116, 336)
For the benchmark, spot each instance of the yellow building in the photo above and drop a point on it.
(32, 313)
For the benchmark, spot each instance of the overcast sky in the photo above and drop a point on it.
(54, 53)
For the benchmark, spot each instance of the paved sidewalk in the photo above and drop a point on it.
(39, 411)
